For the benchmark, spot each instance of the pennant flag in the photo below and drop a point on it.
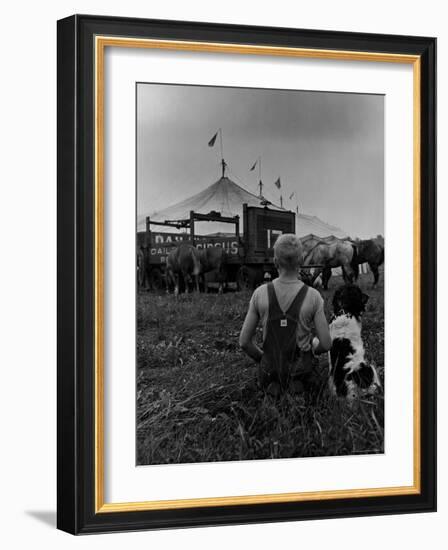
(253, 167)
(291, 195)
(212, 141)
(277, 183)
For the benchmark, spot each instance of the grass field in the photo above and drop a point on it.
(197, 396)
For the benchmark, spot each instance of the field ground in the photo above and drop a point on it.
(197, 396)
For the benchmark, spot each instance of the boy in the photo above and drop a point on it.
(287, 310)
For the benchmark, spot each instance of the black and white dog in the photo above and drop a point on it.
(350, 376)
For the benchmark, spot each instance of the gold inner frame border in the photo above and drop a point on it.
(100, 44)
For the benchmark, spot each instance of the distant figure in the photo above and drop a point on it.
(141, 268)
(288, 310)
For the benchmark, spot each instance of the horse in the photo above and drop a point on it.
(213, 258)
(308, 242)
(336, 253)
(182, 260)
(311, 240)
(372, 252)
(191, 263)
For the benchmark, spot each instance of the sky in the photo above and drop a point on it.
(327, 148)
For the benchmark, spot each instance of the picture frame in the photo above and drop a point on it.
(82, 41)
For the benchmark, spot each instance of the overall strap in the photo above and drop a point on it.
(274, 307)
(296, 306)
(280, 342)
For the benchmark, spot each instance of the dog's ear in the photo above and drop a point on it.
(305, 277)
(364, 298)
(337, 300)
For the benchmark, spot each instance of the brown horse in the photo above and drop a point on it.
(213, 258)
(182, 261)
(335, 253)
(191, 263)
(372, 252)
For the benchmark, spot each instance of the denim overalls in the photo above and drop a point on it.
(282, 359)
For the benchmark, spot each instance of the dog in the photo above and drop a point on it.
(350, 376)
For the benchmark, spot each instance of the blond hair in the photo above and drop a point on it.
(288, 252)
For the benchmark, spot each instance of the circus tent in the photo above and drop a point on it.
(312, 225)
(227, 198)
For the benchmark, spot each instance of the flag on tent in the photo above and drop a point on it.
(277, 183)
(253, 167)
(291, 195)
(212, 141)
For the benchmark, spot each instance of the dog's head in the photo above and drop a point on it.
(349, 299)
(306, 277)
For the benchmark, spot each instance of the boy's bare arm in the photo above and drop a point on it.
(323, 333)
(247, 335)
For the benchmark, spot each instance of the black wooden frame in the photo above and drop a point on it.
(75, 403)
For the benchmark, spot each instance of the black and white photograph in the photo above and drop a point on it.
(260, 274)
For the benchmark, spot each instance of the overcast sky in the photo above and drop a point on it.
(326, 147)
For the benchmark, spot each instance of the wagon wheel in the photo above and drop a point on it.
(155, 279)
(245, 278)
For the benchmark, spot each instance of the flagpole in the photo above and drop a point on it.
(220, 141)
(223, 162)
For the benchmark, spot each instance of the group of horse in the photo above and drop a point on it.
(192, 263)
(186, 265)
(348, 255)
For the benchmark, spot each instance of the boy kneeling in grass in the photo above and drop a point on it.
(288, 311)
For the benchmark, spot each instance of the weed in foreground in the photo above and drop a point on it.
(198, 400)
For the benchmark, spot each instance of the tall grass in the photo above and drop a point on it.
(198, 399)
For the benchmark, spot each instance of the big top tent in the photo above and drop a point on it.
(227, 198)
